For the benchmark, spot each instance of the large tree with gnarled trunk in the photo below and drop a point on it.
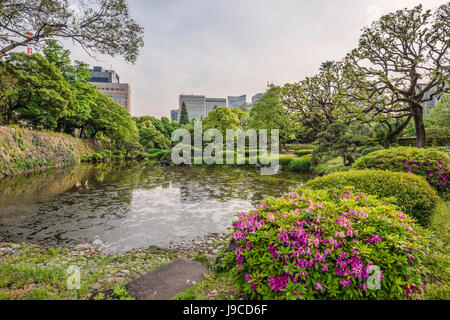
(402, 56)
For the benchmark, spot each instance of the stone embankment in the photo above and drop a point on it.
(23, 150)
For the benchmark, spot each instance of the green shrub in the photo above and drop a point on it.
(431, 164)
(117, 154)
(412, 193)
(368, 150)
(431, 141)
(138, 155)
(97, 157)
(160, 155)
(150, 151)
(296, 147)
(319, 244)
(300, 153)
(301, 165)
(106, 153)
(86, 158)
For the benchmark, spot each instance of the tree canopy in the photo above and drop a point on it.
(98, 26)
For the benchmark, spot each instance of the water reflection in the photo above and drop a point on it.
(120, 208)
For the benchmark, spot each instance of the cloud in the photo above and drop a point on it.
(233, 47)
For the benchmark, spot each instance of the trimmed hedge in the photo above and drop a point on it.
(304, 152)
(430, 141)
(296, 147)
(431, 164)
(367, 150)
(318, 244)
(410, 192)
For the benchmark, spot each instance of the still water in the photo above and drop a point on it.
(137, 205)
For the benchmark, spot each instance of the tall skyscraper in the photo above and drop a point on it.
(108, 82)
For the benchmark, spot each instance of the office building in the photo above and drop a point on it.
(98, 74)
(108, 82)
(195, 105)
(212, 103)
(256, 98)
(237, 101)
(174, 115)
(429, 98)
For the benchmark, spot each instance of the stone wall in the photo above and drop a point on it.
(23, 151)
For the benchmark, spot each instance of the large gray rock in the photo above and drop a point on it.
(167, 281)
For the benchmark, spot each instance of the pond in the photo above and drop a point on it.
(118, 208)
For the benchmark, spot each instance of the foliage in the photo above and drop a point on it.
(77, 76)
(42, 96)
(327, 245)
(8, 85)
(222, 118)
(302, 164)
(184, 116)
(369, 149)
(154, 133)
(303, 152)
(318, 101)
(296, 147)
(431, 164)
(338, 140)
(101, 26)
(268, 113)
(408, 191)
(397, 53)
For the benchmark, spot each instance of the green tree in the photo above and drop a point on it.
(100, 26)
(242, 115)
(184, 116)
(77, 75)
(403, 55)
(8, 85)
(338, 140)
(222, 118)
(269, 113)
(112, 120)
(320, 100)
(42, 97)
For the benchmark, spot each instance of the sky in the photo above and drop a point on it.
(233, 47)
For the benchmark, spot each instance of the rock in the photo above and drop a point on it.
(96, 286)
(167, 281)
(82, 247)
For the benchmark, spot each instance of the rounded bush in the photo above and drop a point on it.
(410, 192)
(431, 164)
(318, 244)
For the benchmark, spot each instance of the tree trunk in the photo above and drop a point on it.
(418, 123)
(348, 160)
(392, 134)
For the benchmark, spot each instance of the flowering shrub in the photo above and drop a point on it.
(410, 192)
(327, 245)
(431, 164)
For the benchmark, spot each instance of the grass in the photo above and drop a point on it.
(333, 165)
(437, 273)
(35, 272)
